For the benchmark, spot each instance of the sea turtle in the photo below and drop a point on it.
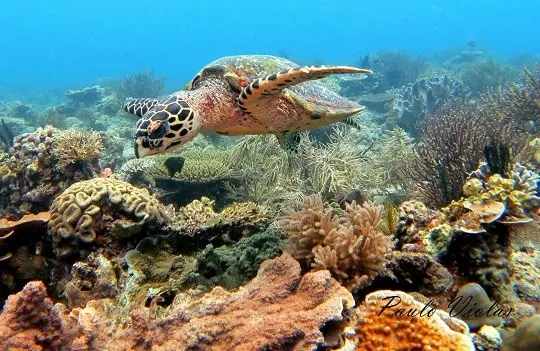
(241, 95)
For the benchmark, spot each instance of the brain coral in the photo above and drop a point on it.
(86, 208)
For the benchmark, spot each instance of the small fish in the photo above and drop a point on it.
(471, 44)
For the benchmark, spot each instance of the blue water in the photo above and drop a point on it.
(68, 43)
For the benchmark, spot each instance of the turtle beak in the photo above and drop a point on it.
(140, 150)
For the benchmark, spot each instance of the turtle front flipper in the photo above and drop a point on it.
(272, 86)
(139, 107)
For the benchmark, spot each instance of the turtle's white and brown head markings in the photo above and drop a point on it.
(165, 125)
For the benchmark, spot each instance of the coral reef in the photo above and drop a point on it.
(350, 246)
(195, 172)
(384, 323)
(413, 216)
(490, 197)
(525, 337)
(485, 74)
(87, 210)
(392, 69)
(140, 85)
(86, 97)
(419, 100)
(29, 174)
(29, 321)
(487, 339)
(24, 249)
(199, 219)
(290, 309)
(74, 146)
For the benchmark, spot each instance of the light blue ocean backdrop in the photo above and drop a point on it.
(60, 44)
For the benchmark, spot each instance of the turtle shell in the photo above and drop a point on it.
(313, 92)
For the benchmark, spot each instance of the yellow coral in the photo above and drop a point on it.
(394, 328)
(200, 213)
(77, 212)
(72, 146)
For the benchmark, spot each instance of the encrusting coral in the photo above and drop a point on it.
(350, 245)
(29, 321)
(199, 219)
(88, 208)
(279, 309)
(393, 320)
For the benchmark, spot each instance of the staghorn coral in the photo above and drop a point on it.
(380, 324)
(74, 146)
(279, 309)
(350, 246)
(88, 209)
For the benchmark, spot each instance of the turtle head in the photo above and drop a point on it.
(166, 126)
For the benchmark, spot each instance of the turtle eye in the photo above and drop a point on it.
(159, 131)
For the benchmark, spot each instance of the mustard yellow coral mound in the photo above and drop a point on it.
(401, 327)
(351, 246)
(73, 145)
(200, 214)
(78, 213)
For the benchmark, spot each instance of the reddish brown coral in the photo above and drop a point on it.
(278, 310)
(31, 322)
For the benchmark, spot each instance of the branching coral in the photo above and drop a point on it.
(450, 148)
(73, 146)
(140, 85)
(519, 104)
(350, 246)
(485, 74)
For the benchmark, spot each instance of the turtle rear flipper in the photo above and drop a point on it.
(139, 107)
(272, 86)
(290, 142)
